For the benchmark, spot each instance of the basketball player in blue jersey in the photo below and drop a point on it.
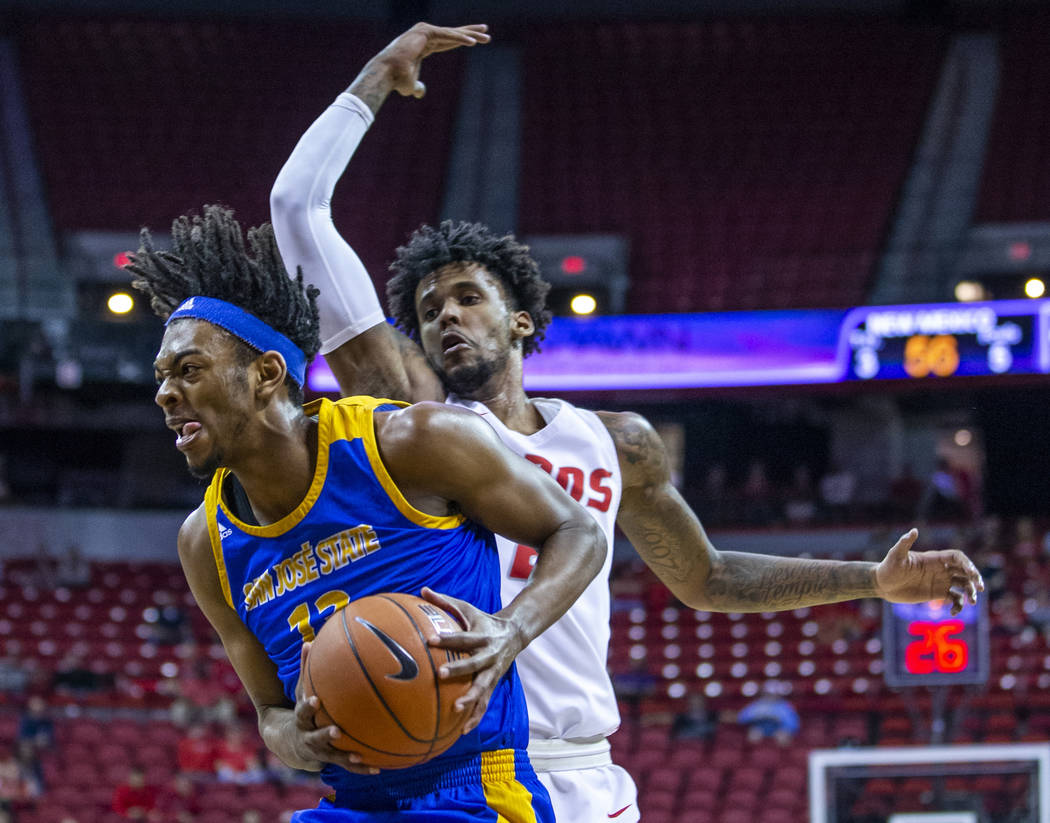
(471, 305)
(308, 509)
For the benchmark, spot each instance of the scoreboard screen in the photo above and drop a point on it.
(923, 644)
(784, 347)
(945, 340)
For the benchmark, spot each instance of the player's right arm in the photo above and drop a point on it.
(289, 732)
(366, 355)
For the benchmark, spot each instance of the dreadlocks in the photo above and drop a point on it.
(208, 258)
(504, 257)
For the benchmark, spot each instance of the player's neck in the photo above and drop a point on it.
(504, 396)
(513, 408)
(277, 467)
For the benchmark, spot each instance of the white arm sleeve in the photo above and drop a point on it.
(301, 211)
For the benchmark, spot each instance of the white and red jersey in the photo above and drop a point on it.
(563, 671)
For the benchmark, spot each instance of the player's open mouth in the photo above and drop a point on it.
(453, 342)
(187, 434)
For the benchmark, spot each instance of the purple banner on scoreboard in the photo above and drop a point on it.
(687, 350)
(769, 348)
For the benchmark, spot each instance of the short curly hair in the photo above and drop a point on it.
(509, 261)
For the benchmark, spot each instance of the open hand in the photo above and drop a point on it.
(403, 55)
(905, 576)
(491, 642)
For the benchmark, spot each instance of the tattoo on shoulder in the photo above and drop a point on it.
(637, 443)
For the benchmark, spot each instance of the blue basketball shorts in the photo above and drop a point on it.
(493, 787)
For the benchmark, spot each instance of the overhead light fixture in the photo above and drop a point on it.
(583, 304)
(120, 302)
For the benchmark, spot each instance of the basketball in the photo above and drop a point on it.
(377, 680)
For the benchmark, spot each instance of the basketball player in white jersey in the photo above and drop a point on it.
(470, 304)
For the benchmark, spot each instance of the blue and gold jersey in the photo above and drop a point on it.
(354, 534)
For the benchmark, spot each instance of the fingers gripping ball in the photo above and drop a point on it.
(377, 680)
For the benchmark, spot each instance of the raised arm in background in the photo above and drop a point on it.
(365, 353)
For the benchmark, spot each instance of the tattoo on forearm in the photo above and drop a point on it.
(746, 582)
(372, 86)
(671, 541)
(665, 557)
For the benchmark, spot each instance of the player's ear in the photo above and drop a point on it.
(270, 371)
(521, 325)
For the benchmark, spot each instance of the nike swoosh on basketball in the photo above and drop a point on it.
(621, 811)
(409, 669)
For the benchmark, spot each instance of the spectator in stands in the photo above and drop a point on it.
(72, 570)
(196, 752)
(167, 622)
(28, 758)
(179, 802)
(838, 488)
(770, 716)
(237, 758)
(943, 498)
(1026, 540)
(18, 781)
(204, 689)
(135, 799)
(634, 685)
(1008, 617)
(13, 675)
(905, 494)
(800, 505)
(73, 677)
(697, 722)
(757, 495)
(992, 564)
(35, 725)
(625, 585)
(714, 502)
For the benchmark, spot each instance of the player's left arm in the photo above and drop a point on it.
(670, 539)
(439, 455)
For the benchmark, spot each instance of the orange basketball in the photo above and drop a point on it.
(377, 680)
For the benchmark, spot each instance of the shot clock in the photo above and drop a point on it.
(923, 644)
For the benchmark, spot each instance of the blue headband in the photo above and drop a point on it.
(247, 327)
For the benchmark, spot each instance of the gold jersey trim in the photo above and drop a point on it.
(211, 496)
(323, 409)
(430, 521)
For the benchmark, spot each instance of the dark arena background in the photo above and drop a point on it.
(816, 235)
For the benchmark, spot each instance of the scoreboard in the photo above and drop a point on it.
(913, 343)
(946, 340)
(923, 644)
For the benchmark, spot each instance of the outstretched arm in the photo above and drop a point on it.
(672, 542)
(366, 355)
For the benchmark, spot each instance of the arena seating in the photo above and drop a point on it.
(751, 164)
(1017, 163)
(138, 120)
(828, 657)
